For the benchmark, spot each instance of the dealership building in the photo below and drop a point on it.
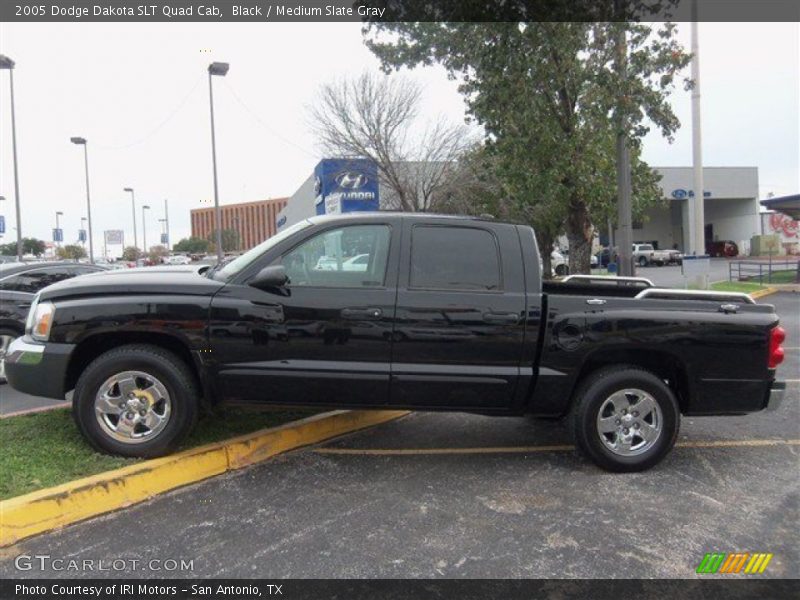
(254, 221)
(730, 202)
(349, 185)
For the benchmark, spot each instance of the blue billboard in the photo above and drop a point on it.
(343, 185)
(2, 224)
(81, 235)
(58, 235)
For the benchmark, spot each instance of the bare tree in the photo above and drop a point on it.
(376, 116)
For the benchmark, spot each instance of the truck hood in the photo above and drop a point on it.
(171, 280)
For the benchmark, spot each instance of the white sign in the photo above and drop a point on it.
(114, 236)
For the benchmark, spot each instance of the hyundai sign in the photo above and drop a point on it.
(345, 185)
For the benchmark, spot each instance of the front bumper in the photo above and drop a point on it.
(38, 369)
(776, 392)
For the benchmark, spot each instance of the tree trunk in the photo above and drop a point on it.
(579, 236)
(545, 250)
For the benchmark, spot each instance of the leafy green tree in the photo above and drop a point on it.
(29, 246)
(192, 245)
(131, 253)
(71, 252)
(156, 253)
(547, 95)
(230, 240)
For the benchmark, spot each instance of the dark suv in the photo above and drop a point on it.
(19, 282)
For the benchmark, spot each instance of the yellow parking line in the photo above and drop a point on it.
(531, 449)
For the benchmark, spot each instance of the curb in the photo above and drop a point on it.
(33, 411)
(762, 293)
(56, 507)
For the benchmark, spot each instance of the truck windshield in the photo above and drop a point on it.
(227, 271)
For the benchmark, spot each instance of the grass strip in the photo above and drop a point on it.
(45, 449)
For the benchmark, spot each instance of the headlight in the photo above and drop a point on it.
(40, 320)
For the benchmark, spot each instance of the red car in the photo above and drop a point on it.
(722, 248)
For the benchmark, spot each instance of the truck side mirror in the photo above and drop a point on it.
(270, 278)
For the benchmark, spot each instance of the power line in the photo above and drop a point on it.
(264, 124)
(163, 123)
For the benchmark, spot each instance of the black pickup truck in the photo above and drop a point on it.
(388, 310)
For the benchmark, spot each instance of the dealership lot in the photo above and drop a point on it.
(454, 495)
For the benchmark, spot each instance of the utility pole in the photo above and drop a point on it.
(698, 203)
(624, 206)
(166, 223)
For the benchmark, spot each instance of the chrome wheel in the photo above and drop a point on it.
(132, 407)
(5, 342)
(629, 422)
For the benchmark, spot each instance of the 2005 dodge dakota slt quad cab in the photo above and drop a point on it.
(385, 310)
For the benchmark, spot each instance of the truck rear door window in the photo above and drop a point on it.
(454, 258)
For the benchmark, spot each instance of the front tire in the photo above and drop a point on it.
(642, 261)
(136, 401)
(625, 419)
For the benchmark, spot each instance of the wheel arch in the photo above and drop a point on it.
(664, 365)
(95, 345)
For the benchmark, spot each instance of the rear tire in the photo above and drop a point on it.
(625, 418)
(136, 401)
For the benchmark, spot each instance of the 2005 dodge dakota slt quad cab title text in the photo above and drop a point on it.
(384, 310)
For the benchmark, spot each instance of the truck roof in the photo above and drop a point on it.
(405, 215)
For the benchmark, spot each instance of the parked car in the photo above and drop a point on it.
(722, 248)
(178, 259)
(452, 314)
(19, 283)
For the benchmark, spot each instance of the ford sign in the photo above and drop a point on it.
(349, 180)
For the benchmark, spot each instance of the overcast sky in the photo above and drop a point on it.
(139, 94)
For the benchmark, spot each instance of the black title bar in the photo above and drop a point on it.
(254, 11)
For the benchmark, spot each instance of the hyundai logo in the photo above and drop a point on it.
(351, 181)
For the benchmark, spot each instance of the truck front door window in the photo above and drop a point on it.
(353, 256)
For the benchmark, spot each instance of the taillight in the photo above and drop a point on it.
(776, 337)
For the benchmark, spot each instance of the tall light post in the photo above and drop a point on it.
(220, 69)
(133, 211)
(7, 63)
(58, 227)
(82, 142)
(166, 222)
(144, 229)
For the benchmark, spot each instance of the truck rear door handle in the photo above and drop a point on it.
(23, 304)
(499, 317)
(728, 308)
(362, 313)
(595, 301)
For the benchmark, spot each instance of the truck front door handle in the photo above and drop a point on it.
(595, 301)
(362, 313)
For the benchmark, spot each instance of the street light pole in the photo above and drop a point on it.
(144, 229)
(133, 211)
(166, 222)
(82, 142)
(7, 63)
(219, 69)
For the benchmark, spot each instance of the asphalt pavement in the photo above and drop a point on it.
(456, 495)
